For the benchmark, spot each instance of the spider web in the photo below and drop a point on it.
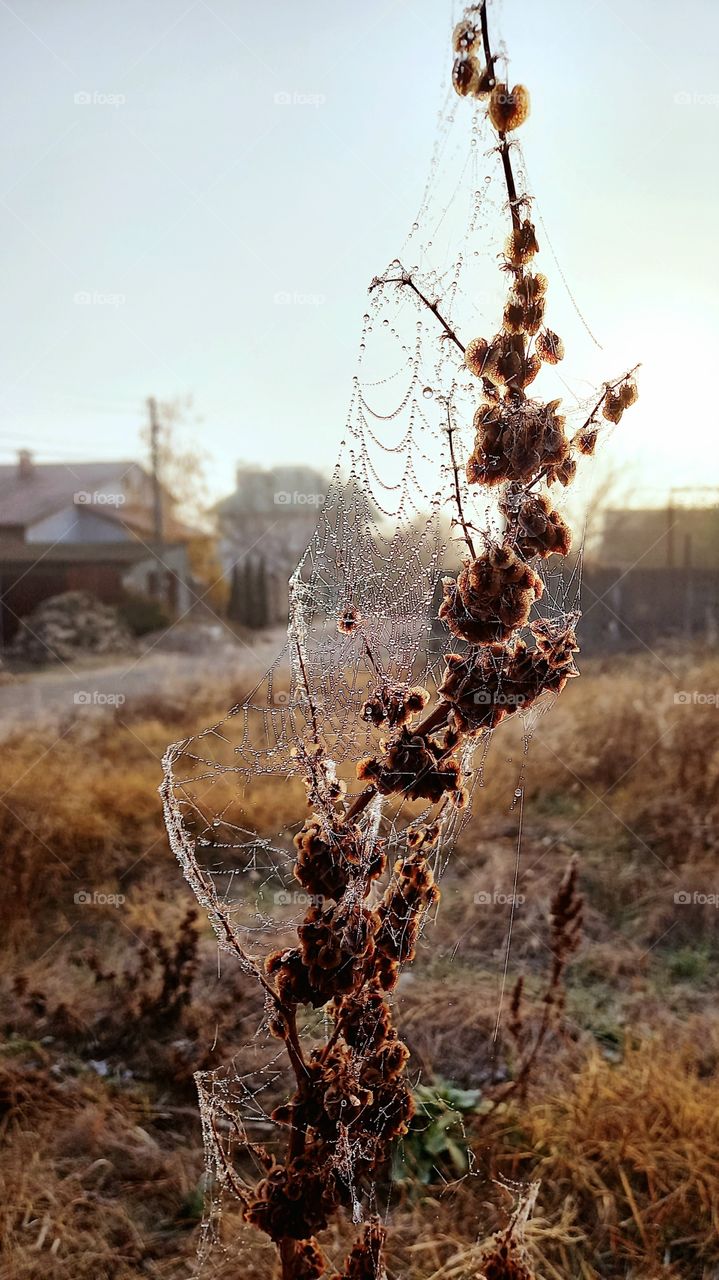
(386, 535)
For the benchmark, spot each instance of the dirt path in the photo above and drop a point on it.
(125, 679)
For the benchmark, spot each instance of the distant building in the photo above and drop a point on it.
(263, 529)
(653, 579)
(670, 537)
(85, 526)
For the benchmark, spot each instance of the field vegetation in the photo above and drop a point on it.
(112, 999)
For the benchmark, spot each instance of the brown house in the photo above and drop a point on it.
(85, 526)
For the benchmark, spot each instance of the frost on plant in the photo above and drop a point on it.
(431, 604)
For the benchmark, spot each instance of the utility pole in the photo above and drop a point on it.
(158, 539)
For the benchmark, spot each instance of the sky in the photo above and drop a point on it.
(194, 197)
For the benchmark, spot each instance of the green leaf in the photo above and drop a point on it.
(458, 1156)
(435, 1139)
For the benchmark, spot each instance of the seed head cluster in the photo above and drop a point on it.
(491, 597)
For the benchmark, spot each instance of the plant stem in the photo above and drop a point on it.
(457, 494)
(308, 691)
(433, 721)
(490, 60)
(287, 1258)
(407, 282)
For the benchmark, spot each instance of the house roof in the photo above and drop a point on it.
(50, 487)
(140, 522)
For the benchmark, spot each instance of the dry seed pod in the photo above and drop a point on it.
(531, 368)
(585, 440)
(513, 318)
(549, 347)
(628, 393)
(485, 84)
(541, 531)
(295, 1200)
(531, 287)
(475, 356)
(394, 704)
(424, 836)
(465, 76)
(492, 371)
(365, 1262)
(564, 472)
(419, 768)
(348, 620)
(309, 1262)
(613, 407)
(517, 440)
(507, 364)
(508, 110)
(488, 684)
(524, 310)
(465, 37)
(534, 316)
(522, 245)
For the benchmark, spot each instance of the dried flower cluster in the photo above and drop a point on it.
(492, 596)
(351, 1098)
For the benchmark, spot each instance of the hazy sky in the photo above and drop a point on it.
(158, 192)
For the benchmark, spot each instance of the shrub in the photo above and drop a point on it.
(141, 614)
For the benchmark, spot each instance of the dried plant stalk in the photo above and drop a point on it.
(351, 1098)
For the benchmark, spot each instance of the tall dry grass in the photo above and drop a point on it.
(101, 1173)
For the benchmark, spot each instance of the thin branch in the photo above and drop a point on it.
(360, 804)
(490, 59)
(308, 691)
(504, 149)
(457, 493)
(608, 386)
(406, 281)
(435, 720)
(375, 665)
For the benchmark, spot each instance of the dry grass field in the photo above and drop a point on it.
(108, 1008)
